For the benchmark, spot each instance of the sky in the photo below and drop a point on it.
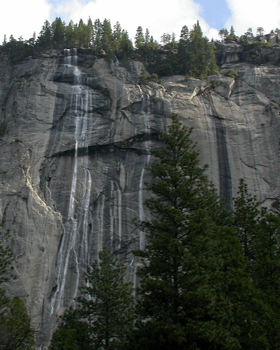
(23, 17)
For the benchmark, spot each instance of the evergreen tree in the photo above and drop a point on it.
(117, 36)
(139, 39)
(246, 219)
(81, 34)
(126, 47)
(202, 56)
(16, 331)
(105, 313)
(89, 33)
(183, 52)
(97, 33)
(72, 333)
(232, 35)
(107, 304)
(45, 36)
(184, 33)
(165, 38)
(58, 38)
(6, 257)
(71, 40)
(223, 33)
(4, 40)
(195, 291)
(260, 31)
(107, 39)
(259, 233)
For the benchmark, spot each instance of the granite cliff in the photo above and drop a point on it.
(75, 136)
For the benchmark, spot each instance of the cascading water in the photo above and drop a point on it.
(76, 223)
(146, 111)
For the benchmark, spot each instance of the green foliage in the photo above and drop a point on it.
(231, 73)
(246, 217)
(215, 83)
(3, 128)
(260, 31)
(139, 38)
(195, 56)
(105, 313)
(223, 33)
(45, 37)
(6, 256)
(231, 35)
(259, 233)
(145, 77)
(109, 310)
(16, 331)
(58, 33)
(107, 39)
(17, 51)
(72, 333)
(190, 296)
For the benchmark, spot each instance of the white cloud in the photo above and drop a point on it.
(252, 14)
(22, 17)
(159, 16)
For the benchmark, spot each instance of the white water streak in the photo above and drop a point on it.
(76, 220)
(146, 112)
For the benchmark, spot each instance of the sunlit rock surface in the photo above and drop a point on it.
(79, 133)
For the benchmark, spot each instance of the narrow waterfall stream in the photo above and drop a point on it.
(74, 251)
(146, 111)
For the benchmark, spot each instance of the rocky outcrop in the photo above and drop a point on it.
(78, 135)
(255, 53)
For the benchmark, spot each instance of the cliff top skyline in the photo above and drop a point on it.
(23, 18)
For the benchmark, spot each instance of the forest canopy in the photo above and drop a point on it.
(192, 54)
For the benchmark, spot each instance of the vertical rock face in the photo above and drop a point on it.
(79, 133)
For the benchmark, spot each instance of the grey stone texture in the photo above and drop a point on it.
(79, 133)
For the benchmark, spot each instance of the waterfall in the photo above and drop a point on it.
(146, 112)
(74, 242)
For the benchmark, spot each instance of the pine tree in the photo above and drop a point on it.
(72, 333)
(16, 331)
(258, 230)
(139, 38)
(45, 36)
(98, 33)
(89, 33)
(246, 218)
(6, 256)
(105, 313)
(202, 56)
(126, 47)
(107, 39)
(58, 37)
(71, 40)
(223, 33)
(195, 291)
(107, 303)
(81, 34)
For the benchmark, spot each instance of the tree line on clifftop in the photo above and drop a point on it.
(209, 276)
(192, 55)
